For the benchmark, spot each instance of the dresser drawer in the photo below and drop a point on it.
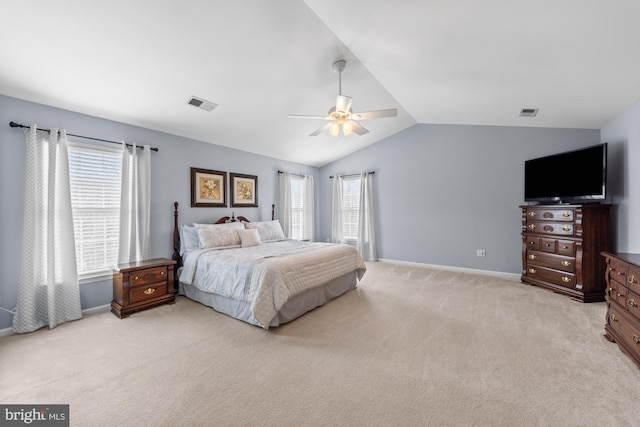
(567, 248)
(148, 276)
(544, 274)
(556, 228)
(621, 293)
(557, 262)
(633, 301)
(550, 214)
(147, 292)
(633, 277)
(627, 329)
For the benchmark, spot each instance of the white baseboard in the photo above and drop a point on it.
(511, 276)
(87, 312)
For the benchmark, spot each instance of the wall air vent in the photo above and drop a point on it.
(528, 112)
(201, 103)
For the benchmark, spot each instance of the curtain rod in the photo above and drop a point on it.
(18, 125)
(291, 173)
(354, 174)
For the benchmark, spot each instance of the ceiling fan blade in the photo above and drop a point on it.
(357, 128)
(343, 103)
(366, 115)
(299, 116)
(320, 130)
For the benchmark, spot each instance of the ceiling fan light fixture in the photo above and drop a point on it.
(347, 128)
(334, 129)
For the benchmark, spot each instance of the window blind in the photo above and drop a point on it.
(350, 207)
(95, 199)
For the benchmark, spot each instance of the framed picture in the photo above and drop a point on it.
(208, 188)
(244, 190)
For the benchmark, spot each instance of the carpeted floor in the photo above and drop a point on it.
(410, 346)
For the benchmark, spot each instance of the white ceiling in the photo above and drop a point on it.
(437, 61)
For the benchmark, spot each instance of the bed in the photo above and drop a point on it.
(251, 272)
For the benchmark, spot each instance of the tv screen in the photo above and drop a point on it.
(579, 175)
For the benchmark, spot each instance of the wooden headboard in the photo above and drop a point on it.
(176, 234)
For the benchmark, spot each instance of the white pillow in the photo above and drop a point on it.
(249, 237)
(268, 230)
(189, 239)
(219, 235)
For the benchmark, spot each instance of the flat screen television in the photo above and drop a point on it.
(573, 176)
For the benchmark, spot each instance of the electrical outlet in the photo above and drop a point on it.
(480, 252)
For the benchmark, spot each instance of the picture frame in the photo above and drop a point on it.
(208, 188)
(244, 190)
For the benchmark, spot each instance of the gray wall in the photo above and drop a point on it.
(170, 182)
(623, 136)
(444, 191)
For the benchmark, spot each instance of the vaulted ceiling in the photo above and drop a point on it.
(438, 61)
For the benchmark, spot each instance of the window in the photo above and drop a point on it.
(94, 174)
(350, 207)
(297, 207)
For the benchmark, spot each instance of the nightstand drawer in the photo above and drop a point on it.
(148, 276)
(143, 293)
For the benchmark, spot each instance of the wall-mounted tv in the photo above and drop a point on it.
(573, 176)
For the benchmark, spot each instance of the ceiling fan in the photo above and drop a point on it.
(341, 116)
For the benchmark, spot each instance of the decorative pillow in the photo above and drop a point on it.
(219, 235)
(189, 239)
(249, 237)
(268, 230)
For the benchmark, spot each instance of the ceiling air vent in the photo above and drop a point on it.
(528, 112)
(201, 103)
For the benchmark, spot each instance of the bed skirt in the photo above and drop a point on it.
(294, 308)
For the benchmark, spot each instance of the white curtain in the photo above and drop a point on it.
(337, 229)
(48, 291)
(284, 205)
(366, 232)
(135, 204)
(308, 208)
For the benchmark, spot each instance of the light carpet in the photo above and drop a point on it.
(410, 346)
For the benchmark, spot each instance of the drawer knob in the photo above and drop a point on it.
(565, 247)
(636, 339)
(162, 273)
(532, 243)
(532, 256)
(613, 318)
(566, 214)
(532, 226)
(620, 295)
(566, 228)
(532, 214)
(135, 278)
(149, 291)
(532, 270)
(612, 289)
(566, 263)
(565, 279)
(632, 279)
(632, 302)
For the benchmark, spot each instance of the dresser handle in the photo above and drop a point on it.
(532, 226)
(610, 268)
(612, 289)
(532, 256)
(636, 339)
(632, 279)
(566, 263)
(565, 279)
(135, 278)
(566, 228)
(565, 247)
(532, 243)
(532, 214)
(532, 270)
(566, 214)
(613, 318)
(620, 273)
(632, 302)
(620, 295)
(149, 291)
(162, 273)
(547, 244)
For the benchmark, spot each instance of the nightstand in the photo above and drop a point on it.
(141, 285)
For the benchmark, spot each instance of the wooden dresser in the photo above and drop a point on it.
(561, 246)
(141, 285)
(623, 299)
